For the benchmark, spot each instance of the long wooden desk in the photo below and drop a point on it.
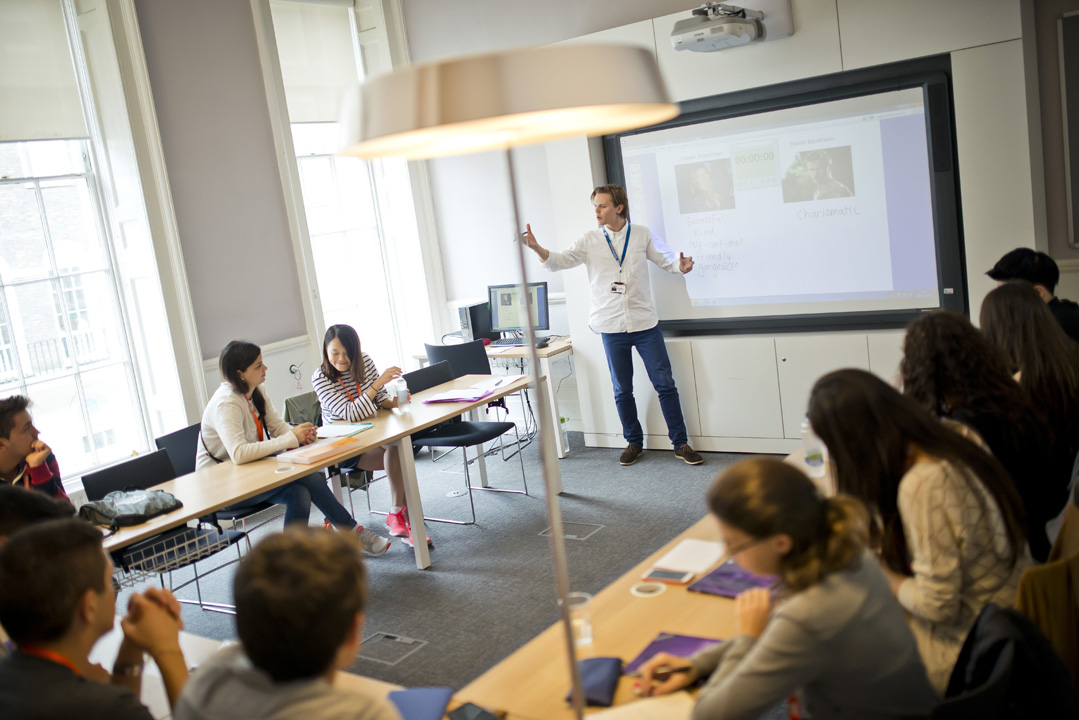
(531, 684)
(557, 347)
(205, 491)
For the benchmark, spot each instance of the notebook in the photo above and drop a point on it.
(421, 703)
(730, 579)
(680, 645)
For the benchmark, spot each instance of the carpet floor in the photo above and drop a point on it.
(490, 589)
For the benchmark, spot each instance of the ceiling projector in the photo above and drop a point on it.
(717, 26)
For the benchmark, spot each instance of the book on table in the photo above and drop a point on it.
(310, 454)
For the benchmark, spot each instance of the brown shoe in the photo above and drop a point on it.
(630, 454)
(691, 456)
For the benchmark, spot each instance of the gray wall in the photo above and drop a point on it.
(219, 149)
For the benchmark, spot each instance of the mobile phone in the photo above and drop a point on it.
(671, 577)
(471, 711)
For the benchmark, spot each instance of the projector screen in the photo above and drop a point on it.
(823, 211)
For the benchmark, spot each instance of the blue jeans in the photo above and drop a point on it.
(297, 497)
(653, 352)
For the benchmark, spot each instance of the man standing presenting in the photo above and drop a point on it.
(615, 256)
(1042, 272)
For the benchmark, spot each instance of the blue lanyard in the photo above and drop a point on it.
(625, 247)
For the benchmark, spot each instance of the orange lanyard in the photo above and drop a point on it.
(258, 423)
(50, 655)
(345, 388)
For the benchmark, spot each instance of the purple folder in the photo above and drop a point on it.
(680, 645)
(730, 579)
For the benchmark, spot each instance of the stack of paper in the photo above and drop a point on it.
(695, 556)
(320, 450)
(343, 429)
(494, 382)
(462, 395)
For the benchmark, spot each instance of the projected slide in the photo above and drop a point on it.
(818, 209)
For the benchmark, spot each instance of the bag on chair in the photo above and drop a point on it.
(124, 508)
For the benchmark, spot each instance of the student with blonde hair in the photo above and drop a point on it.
(837, 637)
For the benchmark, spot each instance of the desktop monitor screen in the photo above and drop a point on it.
(507, 308)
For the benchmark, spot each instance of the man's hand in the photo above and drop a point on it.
(685, 264)
(530, 242)
(152, 622)
(39, 453)
(753, 610)
(667, 683)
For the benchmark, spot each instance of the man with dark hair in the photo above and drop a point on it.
(300, 598)
(56, 600)
(24, 459)
(622, 312)
(1042, 272)
(819, 167)
(20, 507)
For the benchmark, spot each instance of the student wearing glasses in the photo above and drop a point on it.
(837, 639)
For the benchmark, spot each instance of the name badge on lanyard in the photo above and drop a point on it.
(618, 287)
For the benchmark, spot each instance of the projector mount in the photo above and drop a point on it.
(717, 10)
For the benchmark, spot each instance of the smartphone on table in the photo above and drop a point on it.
(671, 577)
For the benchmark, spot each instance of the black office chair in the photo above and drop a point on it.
(470, 358)
(458, 433)
(183, 448)
(172, 549)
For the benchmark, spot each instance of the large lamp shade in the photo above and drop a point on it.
(504, 99)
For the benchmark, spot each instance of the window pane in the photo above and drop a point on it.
(23, 255)
(76, 243)
(114, 414)
(9, 371)
(12, 164)
(91, 314)
(57, 414)
(315, 138)
(357, 199)
(320, 195)
(55, 157)
(40, 334)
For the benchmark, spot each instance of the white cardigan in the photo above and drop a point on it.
(229, 430)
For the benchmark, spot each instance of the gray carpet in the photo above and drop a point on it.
(490, 586)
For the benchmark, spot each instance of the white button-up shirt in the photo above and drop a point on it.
(610, 312)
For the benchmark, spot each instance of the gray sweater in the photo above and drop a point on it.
(227, 686)
(843, 644)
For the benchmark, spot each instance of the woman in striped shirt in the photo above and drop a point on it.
(351, 389)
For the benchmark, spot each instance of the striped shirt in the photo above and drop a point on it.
(333, 395)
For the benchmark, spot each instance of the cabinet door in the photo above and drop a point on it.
(802, 359)
(648, 410)
(738, 387)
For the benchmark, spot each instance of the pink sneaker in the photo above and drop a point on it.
(408, 540)
(397, 524)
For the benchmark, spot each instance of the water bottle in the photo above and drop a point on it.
(813, 450)
(404, 397)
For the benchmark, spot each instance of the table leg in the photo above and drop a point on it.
(481, 461)
(552, 398)
(413, 502)
(550, 449)
(338, 490)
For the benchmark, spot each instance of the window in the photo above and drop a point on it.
(62, 336)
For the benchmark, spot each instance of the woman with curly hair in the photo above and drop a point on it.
(949, 522)
(952, 369)
(1017, 321)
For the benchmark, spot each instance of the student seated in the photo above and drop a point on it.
(308, 588)
(950, 524)
(1045, 360)
(24, 459)
(837, 637)
(354, 391)
(952, 369)
(19, 508)
(241, 424)
(56, 600)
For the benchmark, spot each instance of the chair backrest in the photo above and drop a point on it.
(182, 447)
(428, 377)
(143, 471)
(303, 408)
(468, 358)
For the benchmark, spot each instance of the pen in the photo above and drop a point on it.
(497, 383)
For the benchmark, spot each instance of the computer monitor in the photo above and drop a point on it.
(508, 310)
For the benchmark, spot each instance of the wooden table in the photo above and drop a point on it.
(557, 347)
(531, 684)
(205, 491)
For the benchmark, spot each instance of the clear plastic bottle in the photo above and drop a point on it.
(404, 397)
(813, 450)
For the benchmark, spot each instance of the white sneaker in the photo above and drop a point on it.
(373, 545)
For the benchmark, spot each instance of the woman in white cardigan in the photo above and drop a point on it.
(240, 424)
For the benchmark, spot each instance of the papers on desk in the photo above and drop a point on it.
(494, 382)
(318, 451)
(461, 395)
(663, 707)
(683, 646)
(695, 556)
(343, 429)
